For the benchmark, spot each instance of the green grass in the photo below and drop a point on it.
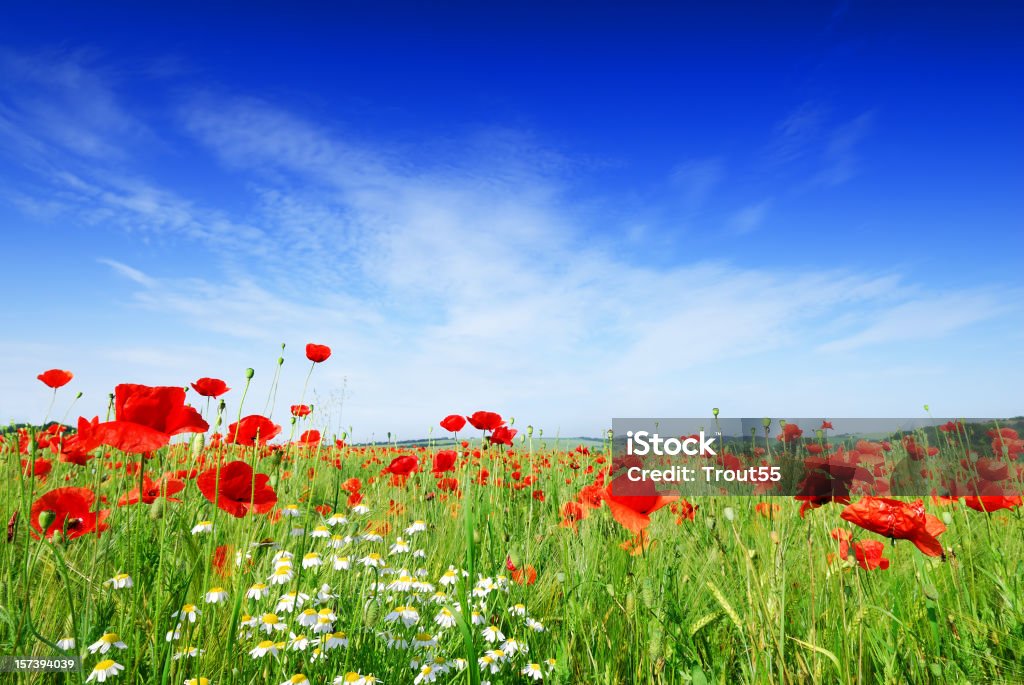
(730, 597)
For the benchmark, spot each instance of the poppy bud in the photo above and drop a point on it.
(344, 435)
(729, 513)
(766, 422)
(610, 434)
(156, 509)
(477, 538)
(947, 518)
(249, 373)
(46, 519)
(926, 408)
(511, 420)
(714, 412)
(280, 361)
(782, 423)
(819, 434)
(222, 406)
(79, 395)
(198, 442)
(529, 431)
(710, 522)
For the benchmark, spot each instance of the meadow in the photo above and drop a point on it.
(185, 539)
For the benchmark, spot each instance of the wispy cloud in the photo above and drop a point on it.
(460, 281)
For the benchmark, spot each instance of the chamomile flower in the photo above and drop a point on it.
(216, 595)
(282, 575)
(417, 526)
(337, 541)
(424, 640)
(108, 668)
(513, 646)
(342, 563)
(270, 622)
(311, 560)
(323, 625)
(445, 618)
(297, 643)
(533, 671)
(297, 532)
(419, 554)
(290, 601)
(372, 560)
(350, 678)
(400, 547)
(406, 614)
(248, 621)
(324, 594)
(497, 654)
(439, 598)
(263, 648)
(484, 587)
(66, 643)
(361, 509)
(476, 618)
(119, 582)
(425, 675)
(202, 527)
(534, 625)
(449, 577)
(372, 537)
(402, 583)
(257, 591)
(493, 634)
(320, 532)
(335, 640)
(307, 618)
(459, 663)
(337, 519)
(197, 681)
(297, 679)
(173, 635)
(488, 662)
(187, 653)
(517, 610)
(106, 641)
(550, 664)
(188, 612)
(291, 510)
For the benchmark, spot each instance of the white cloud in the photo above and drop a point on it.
(462, 283)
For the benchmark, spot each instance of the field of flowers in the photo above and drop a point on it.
(184, 539)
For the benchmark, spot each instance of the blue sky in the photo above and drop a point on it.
(562, 214)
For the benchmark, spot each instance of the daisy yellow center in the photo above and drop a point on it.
(103, 665)
(270, 618)
(266, 644)
(188, 608)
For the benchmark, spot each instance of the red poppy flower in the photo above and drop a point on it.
(146, 418)
(632, 503)
(237, 494)
(897, 520)
(502, 435)
(453, 423)
(252, 430)
(300, 410)
(210, 387)
(869, 555)
(826, 425)
(448, 484)
(77, 448)
(486, 420)
(572, 513)
(317, 353)
(444, 461)
(151, 490)
(402, 466)
(524, 576)
(310, 438)
(55, 378)
(790, 432)
(989, 503)
(40, 468)
(352, 485)
(73, 513)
